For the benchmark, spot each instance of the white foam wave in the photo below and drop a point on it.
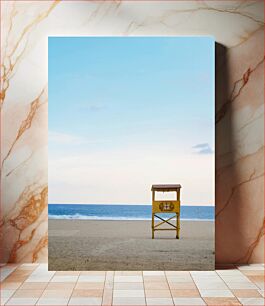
(83, 217)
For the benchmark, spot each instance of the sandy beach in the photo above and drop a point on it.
(127, 245)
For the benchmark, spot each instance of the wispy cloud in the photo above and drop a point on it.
(202, 148)
(96, 107)
(93, 107)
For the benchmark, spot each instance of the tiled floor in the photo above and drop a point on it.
(33, 284)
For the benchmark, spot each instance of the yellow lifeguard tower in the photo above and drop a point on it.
(166, 206)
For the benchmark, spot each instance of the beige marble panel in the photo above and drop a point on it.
(238, 29)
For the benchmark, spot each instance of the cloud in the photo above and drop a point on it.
(96, 107)
(93, 107)
(202, 148)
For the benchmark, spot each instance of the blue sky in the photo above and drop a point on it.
(126, 112)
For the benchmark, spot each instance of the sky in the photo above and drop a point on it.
(129, 112)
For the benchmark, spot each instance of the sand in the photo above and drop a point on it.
(127, 245)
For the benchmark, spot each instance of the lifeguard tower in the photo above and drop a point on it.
(166, 206)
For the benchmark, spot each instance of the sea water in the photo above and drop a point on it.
(122, 212)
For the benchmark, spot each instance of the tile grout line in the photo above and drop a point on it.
(73, 288)
(43, 289)
(169, 288)
(145, 298)
(102, 297)
(112, 287)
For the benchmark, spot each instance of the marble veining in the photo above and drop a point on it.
(238, 27)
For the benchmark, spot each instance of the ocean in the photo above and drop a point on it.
(122, 212)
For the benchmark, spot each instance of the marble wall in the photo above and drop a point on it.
(238, 29)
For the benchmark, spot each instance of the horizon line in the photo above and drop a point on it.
(213, 205)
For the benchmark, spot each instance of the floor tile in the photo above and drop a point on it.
(43, 266)
(68, 273)
(154, 278)
(40, 270)
(159, 301)
(39, 278)
(53, 301)
(188, 301)
(128, 273)
(182, 293)
(218, 301)
(85, 301)
(34, 286)
(128, 301)
(16, 278)
(241, 285)
(128, 293)
(21, 272)
(64, 279)
(129, 286)
(28, 266)
(203, 273)
(3, 300)
(157, 293)
(246, 293)
(6, 271)
(210, 278)
(177, 273)
(152, 273)
(28, 293)
(9, 285)
(128, 279)
(251, 267)
(22, 301)
(216, 293)
(182, 286)
(256, 278)
(235, 278)
(91, 278)
(251, 301)
(179, 279)
(6, 293)
(60, 286)
(56, 294)
(212, 285)
(224, 266)
(89, 285)
(232, 272)
(98, 273)
(87, 293)
(253, 272)
(156, 285)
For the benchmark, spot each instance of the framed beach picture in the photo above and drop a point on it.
(131, 153)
